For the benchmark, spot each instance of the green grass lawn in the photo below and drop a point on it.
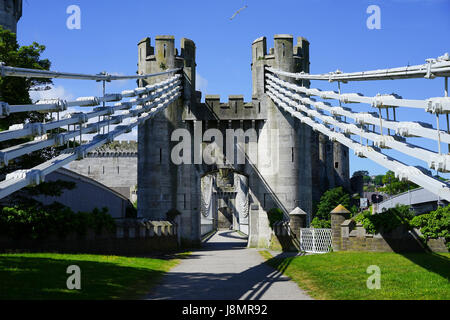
(43, 276)
(342, 275)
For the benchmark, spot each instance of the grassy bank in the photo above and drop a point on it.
(43, 276)
(342, 275)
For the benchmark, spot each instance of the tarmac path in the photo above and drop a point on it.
(225, 269)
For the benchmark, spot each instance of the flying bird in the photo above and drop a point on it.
(235, 14)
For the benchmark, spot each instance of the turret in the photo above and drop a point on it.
(283, 51)
(164, 52)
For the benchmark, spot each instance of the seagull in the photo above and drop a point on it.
(234, 15)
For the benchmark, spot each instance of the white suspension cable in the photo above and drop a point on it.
(402, 171)
(22, 178)
(405, 128)
(439, 67)
(35, 73)
(435, 161)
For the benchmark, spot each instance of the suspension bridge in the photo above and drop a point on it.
(166, 100)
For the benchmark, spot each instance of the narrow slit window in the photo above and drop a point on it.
(165, 49)
(336, 165)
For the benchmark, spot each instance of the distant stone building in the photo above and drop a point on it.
(87, 195)
(10, 13)
(113, 165)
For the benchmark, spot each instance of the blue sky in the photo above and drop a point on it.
(411, 31)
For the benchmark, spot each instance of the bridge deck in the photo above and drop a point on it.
(225, 269)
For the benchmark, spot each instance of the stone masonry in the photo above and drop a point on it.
(10, 13)
(347, 235)
(116, 167)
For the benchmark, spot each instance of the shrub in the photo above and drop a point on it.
(385, 221)
(435, 224)
(39, 222)
(274, 215)
(319, 223)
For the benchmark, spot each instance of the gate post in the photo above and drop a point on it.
(338, 216)
(297, 221)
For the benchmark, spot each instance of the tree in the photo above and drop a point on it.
(392, 185)
(15, 90)
(330, 200)
(363, 173)
(360, 173)
(378, 180)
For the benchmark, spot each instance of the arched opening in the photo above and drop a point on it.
(224, 201)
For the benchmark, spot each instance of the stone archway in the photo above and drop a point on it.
(224, 201)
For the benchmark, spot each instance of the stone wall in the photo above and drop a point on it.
(116, 169)
(347, 235)
(131, 238)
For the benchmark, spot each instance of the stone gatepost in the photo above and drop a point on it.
(297, 221)
(338, 216)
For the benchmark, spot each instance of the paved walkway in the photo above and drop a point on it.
(225, 269)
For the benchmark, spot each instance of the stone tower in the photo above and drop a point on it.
(160, 182)
(10, 13)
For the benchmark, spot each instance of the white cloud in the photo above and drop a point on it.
(54, 93)
(201, 83)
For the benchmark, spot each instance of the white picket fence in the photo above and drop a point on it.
(315, 240)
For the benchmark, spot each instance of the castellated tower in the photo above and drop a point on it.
(309, 162)
(160, 186)
(10, 13)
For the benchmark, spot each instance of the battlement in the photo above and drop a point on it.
(234, 109)
(283, 52)
(116, 149)
(164, 56)
(283, 56)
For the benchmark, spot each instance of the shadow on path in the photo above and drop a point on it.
(226, 269)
